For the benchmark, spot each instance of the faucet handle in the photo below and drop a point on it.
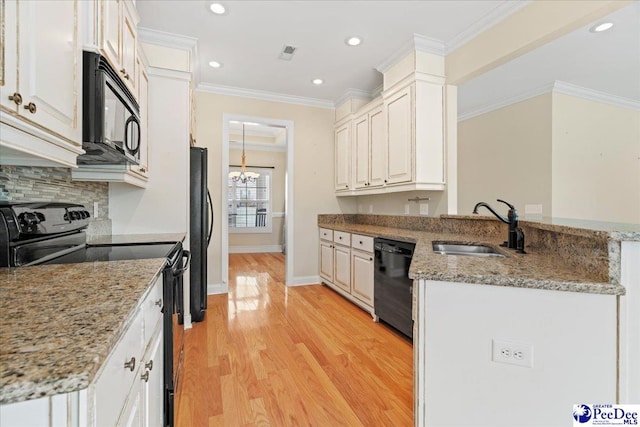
(506, 203)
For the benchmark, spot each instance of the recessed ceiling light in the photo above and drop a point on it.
(353, 41)
(215, 64)
(317, 81)
(217, 8)
(601, 27)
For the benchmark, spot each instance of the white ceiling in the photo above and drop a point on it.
(249, 37)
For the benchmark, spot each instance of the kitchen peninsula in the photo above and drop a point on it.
(561, 307)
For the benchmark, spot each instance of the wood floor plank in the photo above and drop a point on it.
(270, 355)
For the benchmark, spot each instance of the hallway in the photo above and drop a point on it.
(302, 356)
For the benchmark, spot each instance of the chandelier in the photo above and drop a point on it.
(243, 175)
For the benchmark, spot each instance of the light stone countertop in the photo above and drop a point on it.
(60, 322)
(534, 270)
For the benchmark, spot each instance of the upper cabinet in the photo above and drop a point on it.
(342, 140)
(117, 33)
(40, 80)
(398, 140)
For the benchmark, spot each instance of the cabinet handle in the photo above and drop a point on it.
(143, 169)
(149, 365)
(131, 364)
(145, 377)
(158, 302)
(16, 97)
(31, 107)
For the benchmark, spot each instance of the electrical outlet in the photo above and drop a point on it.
(513, 353)
(424, 208)
(406, 208)
(370, 208)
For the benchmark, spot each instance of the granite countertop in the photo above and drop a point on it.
(535, 269)
(120, 239)
(60, 322)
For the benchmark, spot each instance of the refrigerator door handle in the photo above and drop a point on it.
(210, 209)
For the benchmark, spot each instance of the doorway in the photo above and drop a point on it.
(266, 214)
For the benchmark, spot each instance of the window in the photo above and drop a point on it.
(249, 204)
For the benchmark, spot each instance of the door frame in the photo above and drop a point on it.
(288, 209)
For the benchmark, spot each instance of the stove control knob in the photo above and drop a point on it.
(86, 214)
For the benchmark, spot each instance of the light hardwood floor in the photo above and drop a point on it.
(300, 356)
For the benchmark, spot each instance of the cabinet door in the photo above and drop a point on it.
(377, 147)
(399, 137)
(342, 157)
(128, 72)
(326, 261)
(361, 150)
(153, 394)
(110, 26)
(342, 272)
(132, 415)
(362, 276)
(8, 55)
(49, 68)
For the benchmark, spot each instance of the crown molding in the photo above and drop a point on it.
(418, 43)
(353, 93)
(264, 95)
(493, 17)
(176, 41)
(556, 87)
(487, 108)
(594, 95)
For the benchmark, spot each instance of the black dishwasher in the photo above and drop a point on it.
(392, 288)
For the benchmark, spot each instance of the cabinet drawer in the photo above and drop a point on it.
(326, 234)
(364, 243)
(152, 309)
(342, 238)
(114, 383)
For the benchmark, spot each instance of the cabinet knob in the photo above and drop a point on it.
(158, 302)
(131, 364)
(145, 376)
(125, 74)
(360, 241)
(149, 365)
(16, 97)
(385, 181)
(346, 186)
(31, 107)
(143, 169)
(370, 259)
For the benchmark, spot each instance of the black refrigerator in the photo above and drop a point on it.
(200, 228)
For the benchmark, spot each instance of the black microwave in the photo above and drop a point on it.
(110, 115)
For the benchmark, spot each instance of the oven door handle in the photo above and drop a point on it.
(180, 271)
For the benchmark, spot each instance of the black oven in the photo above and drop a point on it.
(52, 233)
(110, 115)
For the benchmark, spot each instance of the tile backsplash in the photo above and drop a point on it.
(44, 184)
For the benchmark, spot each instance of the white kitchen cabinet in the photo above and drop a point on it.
(118, 38)
(362, 268)
(399, 114)
(346, 265)
(369, 149)
(343, 157)
(41, 121)
(127, 391)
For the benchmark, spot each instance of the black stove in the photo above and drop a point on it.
(115, 253)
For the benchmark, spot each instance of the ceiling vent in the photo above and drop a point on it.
(287, 52)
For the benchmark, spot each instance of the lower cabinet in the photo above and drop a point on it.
(346, 265)
(128, 390)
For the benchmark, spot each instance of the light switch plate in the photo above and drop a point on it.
(406, 208)
(424, 208)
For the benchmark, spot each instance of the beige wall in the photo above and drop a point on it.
(506, 154)
(313, 183)
(596, 160)
(394, 203)
(278, 160)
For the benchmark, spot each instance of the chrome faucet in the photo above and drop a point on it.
(515, 239)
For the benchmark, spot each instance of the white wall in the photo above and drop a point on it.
(506, 154)
(596, 160)
(574, 354)
(313, 175)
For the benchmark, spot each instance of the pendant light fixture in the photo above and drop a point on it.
(243, 175)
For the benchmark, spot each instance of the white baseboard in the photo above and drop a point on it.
(304, 280)
(254, 249)
(218, 288)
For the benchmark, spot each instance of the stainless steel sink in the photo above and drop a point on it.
(453, 248)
